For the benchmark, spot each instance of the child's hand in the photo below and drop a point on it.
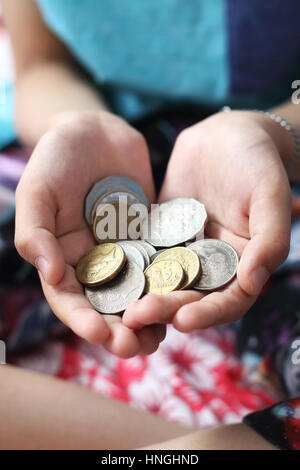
(51, 232)
(231, 163)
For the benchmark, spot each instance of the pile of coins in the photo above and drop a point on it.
(116, 191)
(117, 272)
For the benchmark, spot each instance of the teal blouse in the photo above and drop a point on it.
(148, 55)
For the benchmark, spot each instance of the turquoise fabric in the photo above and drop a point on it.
(142, 52)
(7, 127)
(150, 55)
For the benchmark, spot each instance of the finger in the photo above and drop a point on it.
(269, 227)
(35, 233)
(217, 308)
(296, 205)
(161, 331)
(148, 340)
(150, 337)
(153, 308)
(122, 341)
(69, 304)
(126, 343)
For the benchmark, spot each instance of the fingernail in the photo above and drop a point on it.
(259, 278)
(42, 266)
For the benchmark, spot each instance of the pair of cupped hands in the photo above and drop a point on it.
(229, 162)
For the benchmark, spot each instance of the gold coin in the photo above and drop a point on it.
(101, 264)
(163, 277)
(189, 261)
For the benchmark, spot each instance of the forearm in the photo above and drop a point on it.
(46, 91)
(39, 412)
(229, 437)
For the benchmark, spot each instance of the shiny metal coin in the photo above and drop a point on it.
(149, 248)
(101, 264)
(163, 277)
(142, 250)
(189, 261)
(132, 253)
(174, 222)
(119, 199)
(111, 221)
(219, 262)
(153, 257)
(114, 297)
(113, 198)
(112, 185)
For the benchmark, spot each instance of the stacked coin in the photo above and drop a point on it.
(115, 274)
(118, 193)
(207, 265)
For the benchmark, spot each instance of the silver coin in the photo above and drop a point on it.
(155, 255)
(118, 195)
(149, 248)
(174, 222)
(115, 296)
(132, 253)
(109, 185)
(219, 263)
(142, 250)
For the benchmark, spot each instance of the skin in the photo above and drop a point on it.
(42, 413)
(234, 163)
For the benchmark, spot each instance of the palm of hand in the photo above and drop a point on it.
(62, 233)
(239, 177)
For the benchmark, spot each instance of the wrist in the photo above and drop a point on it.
(282, 137)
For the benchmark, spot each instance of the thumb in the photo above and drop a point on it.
(269, 226)
(34, 234)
